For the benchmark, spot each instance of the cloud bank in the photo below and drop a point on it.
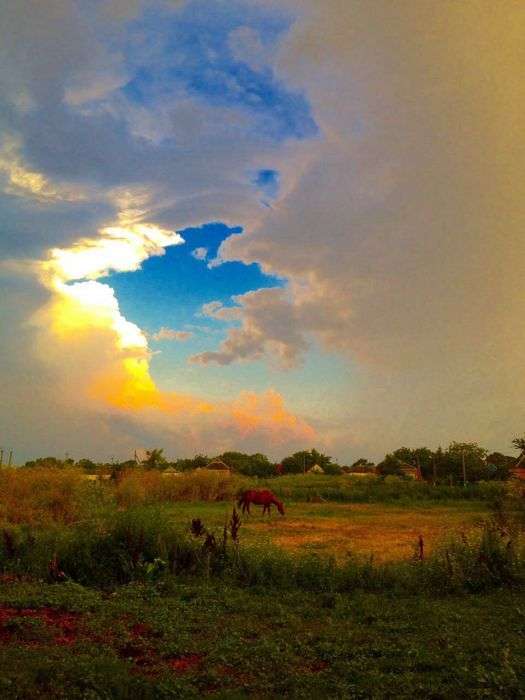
(373, 154)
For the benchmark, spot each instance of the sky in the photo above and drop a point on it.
(259, 225)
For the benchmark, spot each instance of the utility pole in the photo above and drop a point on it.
(10, 458)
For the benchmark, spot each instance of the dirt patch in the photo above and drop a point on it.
(183, 664)
(386, 533)
(62, 625)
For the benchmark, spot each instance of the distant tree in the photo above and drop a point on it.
(47, 462)
(305, 460)
(188, 464)
(519, 443)
(154, 459)
(87, 465)
(472, 455)
(499, 465)
(390, 466)
(251, 465)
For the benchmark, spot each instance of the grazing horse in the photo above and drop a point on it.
(263, 498)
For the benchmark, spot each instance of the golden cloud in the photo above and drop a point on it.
(104, 359)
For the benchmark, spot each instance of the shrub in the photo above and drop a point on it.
(43, 495)
(147, 487)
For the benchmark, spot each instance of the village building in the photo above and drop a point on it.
(316, 469)
(217, 465)
(170, 472)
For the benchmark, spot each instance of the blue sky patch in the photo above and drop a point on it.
(267, 181)
(196, 51)
(169, 290)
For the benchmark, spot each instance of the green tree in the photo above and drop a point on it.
(187, 464)
(499, 465)
(154, 459)
(519, 443)
(46, 462)
(251, 465)
(305, 460)
(469, 453)
(87, 465)
(390, 466)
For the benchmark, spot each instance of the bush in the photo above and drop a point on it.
(44, 495)
(147, 487)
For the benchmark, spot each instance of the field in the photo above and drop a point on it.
(147, 588)
(385, 531)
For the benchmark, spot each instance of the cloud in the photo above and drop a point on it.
(21, 181)
(269, 329)
(395, 235)
(396, 226)
(170, 334)
(98, 363)
(117, 248)
(200, 253)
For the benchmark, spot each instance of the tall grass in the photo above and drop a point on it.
(139, 486)
(143, 543)
(41, 496)
(369, 489)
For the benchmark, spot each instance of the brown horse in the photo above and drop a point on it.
(263, 498)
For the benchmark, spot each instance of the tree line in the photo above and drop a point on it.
(460, 461)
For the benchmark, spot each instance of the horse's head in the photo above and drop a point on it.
(280, 506)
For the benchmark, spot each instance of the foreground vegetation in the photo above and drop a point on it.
(196, 640)
(149, 586)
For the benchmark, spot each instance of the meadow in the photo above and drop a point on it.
(153, 587)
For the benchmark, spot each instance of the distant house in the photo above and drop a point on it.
(170, 471)
(410, 471)
(218, 465)
(360, 471)
(367, 469)
(316, 469)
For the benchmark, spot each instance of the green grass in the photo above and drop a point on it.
(194, 640)
(355, 489)
(386, 531)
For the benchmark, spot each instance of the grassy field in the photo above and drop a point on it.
(386, 531)
(197, 640)
(327, 601)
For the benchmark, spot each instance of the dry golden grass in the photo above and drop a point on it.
(42, 495)
(383, 531)
(138, 486)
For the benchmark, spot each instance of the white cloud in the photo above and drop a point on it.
(200, 253)
(170, 334)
